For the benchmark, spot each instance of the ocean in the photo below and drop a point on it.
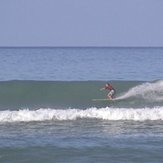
(48, 112)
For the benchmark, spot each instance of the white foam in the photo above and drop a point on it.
(148, 91)
(107, 113)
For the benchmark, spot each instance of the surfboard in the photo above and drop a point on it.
(105, 99)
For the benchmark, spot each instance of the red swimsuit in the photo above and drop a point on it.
(109, 87)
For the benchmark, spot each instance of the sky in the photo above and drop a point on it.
(81, 23)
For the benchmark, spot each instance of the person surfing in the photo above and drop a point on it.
(111, 90)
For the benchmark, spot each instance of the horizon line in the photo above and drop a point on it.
(81, 46)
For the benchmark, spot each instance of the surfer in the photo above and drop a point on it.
(111, 90)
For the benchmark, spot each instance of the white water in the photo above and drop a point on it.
(148, 91)
(107, 113)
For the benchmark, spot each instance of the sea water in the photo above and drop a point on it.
(47, 113)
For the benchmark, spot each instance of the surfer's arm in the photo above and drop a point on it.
(102, 88)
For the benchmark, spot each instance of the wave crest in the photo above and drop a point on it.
(148, 91)
(107, 113)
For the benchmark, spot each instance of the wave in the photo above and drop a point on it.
(78, 94)
(149, 91)
(114, 114)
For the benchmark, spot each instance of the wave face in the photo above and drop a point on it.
(107, 113)
(78, 94)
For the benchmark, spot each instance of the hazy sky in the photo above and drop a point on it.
(81, 22)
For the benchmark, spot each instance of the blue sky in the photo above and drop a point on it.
(81, 22)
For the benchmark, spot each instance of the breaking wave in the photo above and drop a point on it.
(147, 91)
(115, 114)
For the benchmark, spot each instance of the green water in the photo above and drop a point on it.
(76, 94)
